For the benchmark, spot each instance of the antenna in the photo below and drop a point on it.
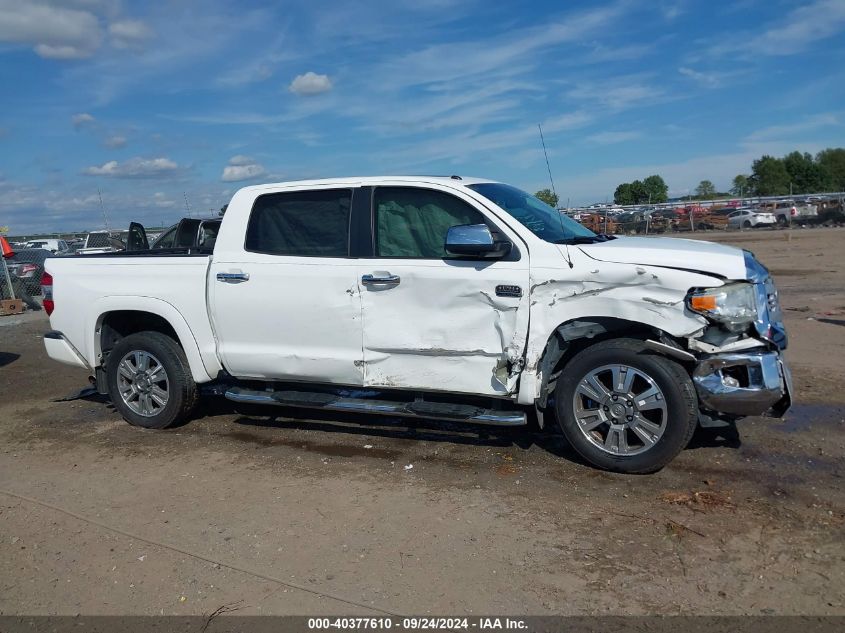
(546, 154)
(551, 180)
(187, 206)
(103, 209)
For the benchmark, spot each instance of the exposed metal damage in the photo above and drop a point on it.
(477, 336)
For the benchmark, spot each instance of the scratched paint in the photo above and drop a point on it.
(444, 328)
(641, 294)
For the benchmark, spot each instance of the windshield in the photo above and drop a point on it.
(542, 220)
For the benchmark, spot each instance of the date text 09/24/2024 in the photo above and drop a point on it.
(417, 624)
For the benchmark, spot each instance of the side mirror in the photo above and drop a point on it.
(475, 240)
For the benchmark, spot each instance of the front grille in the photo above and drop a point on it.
(772, 301)
(769, 323)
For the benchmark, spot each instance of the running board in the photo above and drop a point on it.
(418, 408)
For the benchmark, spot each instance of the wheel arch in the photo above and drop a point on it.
(571, 337)
(113, 318)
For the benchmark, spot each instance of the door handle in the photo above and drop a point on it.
(233, 277)
(381, 279)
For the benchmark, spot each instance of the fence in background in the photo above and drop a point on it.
(20, 276)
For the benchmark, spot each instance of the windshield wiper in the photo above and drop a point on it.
(585, 239)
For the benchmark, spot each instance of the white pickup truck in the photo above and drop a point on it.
(437, 297)
(788, 211)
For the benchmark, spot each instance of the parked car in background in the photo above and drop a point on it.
(54, 246)
(97, 242)
(188, 233)
(26, 266)
(747, 218)
(788, 211)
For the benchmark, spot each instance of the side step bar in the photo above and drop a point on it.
(419, 409)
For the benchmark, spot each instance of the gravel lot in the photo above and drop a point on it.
(263, 513)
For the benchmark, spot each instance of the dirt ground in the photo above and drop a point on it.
(253, 511)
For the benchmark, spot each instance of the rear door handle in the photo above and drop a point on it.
(233, 277)
(380, 279)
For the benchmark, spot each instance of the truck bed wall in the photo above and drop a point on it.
(85, 288)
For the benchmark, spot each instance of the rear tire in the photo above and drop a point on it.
(746, 224)
(636, 426)
(149, 380)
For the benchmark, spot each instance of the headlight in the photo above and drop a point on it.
(732, 305)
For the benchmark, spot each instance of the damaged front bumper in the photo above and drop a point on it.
(751, 382)
(741, 384)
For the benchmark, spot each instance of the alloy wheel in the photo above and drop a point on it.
(620, 409)
(143, 383)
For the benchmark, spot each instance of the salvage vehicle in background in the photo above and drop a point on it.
(599, 223)
(434, 297)
(27, 266)
(788, 211)
(51, 245)
(98, 242)
(747, 218)
(189, 233)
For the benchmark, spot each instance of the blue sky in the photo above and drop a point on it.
(155, 102)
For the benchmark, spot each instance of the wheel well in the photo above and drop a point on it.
(121, 323)
(573, 336)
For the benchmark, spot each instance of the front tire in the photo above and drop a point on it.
(624, 408)
(149, 380)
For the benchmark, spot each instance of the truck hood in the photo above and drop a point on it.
(671, 252)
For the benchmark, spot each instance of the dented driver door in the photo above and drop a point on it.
(432, 321)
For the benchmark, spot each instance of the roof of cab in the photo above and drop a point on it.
(452, 181)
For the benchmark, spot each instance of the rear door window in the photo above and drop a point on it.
(301, 223)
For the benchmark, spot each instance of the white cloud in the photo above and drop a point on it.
(610, 138)
(115, 141)
(129, 33)
(235, 173)
(162, 201)
(81, 119)
(708, 80)
(53, 31)
(808, 124)
(310, 84)
(603, 53)
(495, 54)
(241, 160)
(672, 10)
(616, 93)
(136, 168)
(800, 29)
(568, 121)
(242, 167)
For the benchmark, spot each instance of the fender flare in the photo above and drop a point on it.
(159, 307)
(534, 379)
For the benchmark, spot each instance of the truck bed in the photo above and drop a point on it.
(169, 283)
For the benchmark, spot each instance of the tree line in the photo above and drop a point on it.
(795, 173)
(649, 190)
